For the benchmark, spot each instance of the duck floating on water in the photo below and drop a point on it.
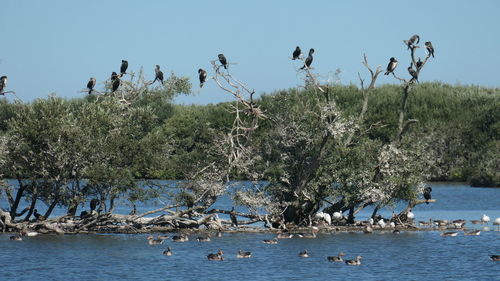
(216, 257)
(497, 223)
(152, 241)
(168, 252)
(204, 239)
(449, 234)
(495, 257)
(270, 241)
(356, 261)
(180, 238)
(336, 258)
(472, 233)
(243, 255)
(16, 238)
(304, 254)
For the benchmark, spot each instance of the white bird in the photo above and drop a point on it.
(327, 218)
(381, 223)
(410, 215)
(485, 219)
(497, 222)
(392, 224)
(337, 215)
(370, 221)
(319, 215)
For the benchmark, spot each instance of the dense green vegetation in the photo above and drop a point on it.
(52, 146)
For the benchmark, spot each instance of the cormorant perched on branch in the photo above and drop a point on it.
(419, 63)
(430, 48)
(296, 53)
(116, 81)
(234, 221)
(93, 204)
(123, 68)
(391, 66)
(309, 59)
(159, 75)
(3, 83)
(38, 216)
(223, 60)
(203, 76)
(91, 85)
(427, 194)
(413, 73)
(412, 40)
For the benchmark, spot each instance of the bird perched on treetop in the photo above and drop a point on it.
(309, 59)
(412, 40)
(203, 76)
(91, 85)
(123, 67)
(159, 75)
(413, 73)
(419, 63)
(223, 60)
(427, 194)
(296, 53)
(116, 81)
(430, 48)
(3, 83)
(391, 66)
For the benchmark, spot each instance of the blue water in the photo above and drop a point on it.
(386, 256)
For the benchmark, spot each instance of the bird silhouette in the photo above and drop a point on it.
(309, 59)
(203, 76)
(430, 48)
(91, 85)
(123, 68)
(296, 53)
(223, 60)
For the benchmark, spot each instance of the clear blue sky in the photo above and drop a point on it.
(55, 46)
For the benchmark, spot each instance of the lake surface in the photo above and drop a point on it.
(386, 256)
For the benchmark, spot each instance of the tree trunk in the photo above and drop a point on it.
(31, 208)
(19, 195)
(51, 207)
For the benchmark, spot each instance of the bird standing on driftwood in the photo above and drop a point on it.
(234, 220)
(427, 194)
(296, 54)
(203, 76)
(123, 68)
(309, 59)
(223, 60)
(391, 66)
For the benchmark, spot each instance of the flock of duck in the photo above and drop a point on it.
(219, 255)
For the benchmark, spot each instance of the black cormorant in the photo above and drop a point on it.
(234, 220)
(203, 76)
(91, 85)
(296, 53)
(116, 81)
(309, 59)
(412, 40)
(391, 66)
(430, 48)
(427, 194)
(123, 67)
(38, 216)
(413, 73)
(419, 63)
(93, 204)
(3, 83)
(223, 60)
(158, 75)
